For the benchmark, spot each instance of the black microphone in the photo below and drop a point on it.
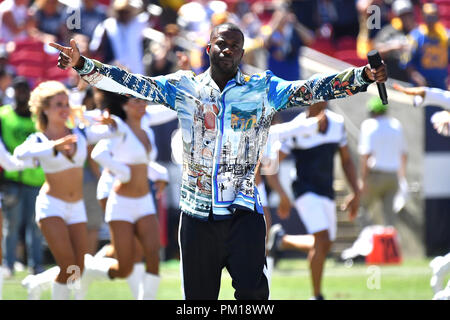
(375, 61)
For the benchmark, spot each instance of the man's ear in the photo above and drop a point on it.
(208, 47)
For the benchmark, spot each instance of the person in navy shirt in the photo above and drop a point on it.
(427, 62)
(313, 188)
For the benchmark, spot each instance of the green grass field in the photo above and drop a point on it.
(290, 281)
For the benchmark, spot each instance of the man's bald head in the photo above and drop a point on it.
(228, 26)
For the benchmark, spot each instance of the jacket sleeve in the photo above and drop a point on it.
(435, 97)
(31, 148)
(10, 162)
(160, 90)
(286, 94)
(102, 153)
(97, 132)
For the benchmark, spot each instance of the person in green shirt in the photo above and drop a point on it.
(20, 188)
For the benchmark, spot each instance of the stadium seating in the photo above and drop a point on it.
(323, 45)
(350, 56)
(346, 43)
(32, 62)
(444, 12)
(344, 49)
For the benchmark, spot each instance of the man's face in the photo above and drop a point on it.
(430, 14)
(431, 20)
(226, 50)
(22, 94)
(408, 21)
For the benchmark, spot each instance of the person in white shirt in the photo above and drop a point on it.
(383, 151)
(15, 20)
(60, 210)
(124, 33)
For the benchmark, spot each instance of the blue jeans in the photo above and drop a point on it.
(19, 210)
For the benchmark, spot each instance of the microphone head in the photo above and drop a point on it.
(374, 58)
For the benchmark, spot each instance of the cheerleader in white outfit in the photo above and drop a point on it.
(130, 209)
(8, 162)
(155, 115)
(61, 152)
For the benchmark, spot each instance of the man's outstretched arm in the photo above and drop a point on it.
(161, 90)
(286, 94)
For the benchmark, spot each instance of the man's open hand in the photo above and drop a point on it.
(68, 56)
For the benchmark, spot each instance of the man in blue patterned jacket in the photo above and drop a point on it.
(224, 118)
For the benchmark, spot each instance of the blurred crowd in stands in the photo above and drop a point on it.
(159, 37)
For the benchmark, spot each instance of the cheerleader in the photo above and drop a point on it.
(61, 152)
(155, 115)
(130, 209)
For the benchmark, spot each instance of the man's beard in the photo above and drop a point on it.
(231, 71)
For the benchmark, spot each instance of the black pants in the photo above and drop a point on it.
(237, 244)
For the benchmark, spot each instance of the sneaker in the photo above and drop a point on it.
(436, 263)
(276, 233)
(8, 273)
(19, 266)
(96, 268)
(438, 266)
(443, 294)
(34, 291)
(86, 278)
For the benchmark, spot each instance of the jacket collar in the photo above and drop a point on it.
(206, 79)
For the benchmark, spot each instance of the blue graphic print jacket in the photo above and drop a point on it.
(224, 133)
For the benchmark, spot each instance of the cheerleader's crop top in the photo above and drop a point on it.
(39, 147)
(119, 152)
